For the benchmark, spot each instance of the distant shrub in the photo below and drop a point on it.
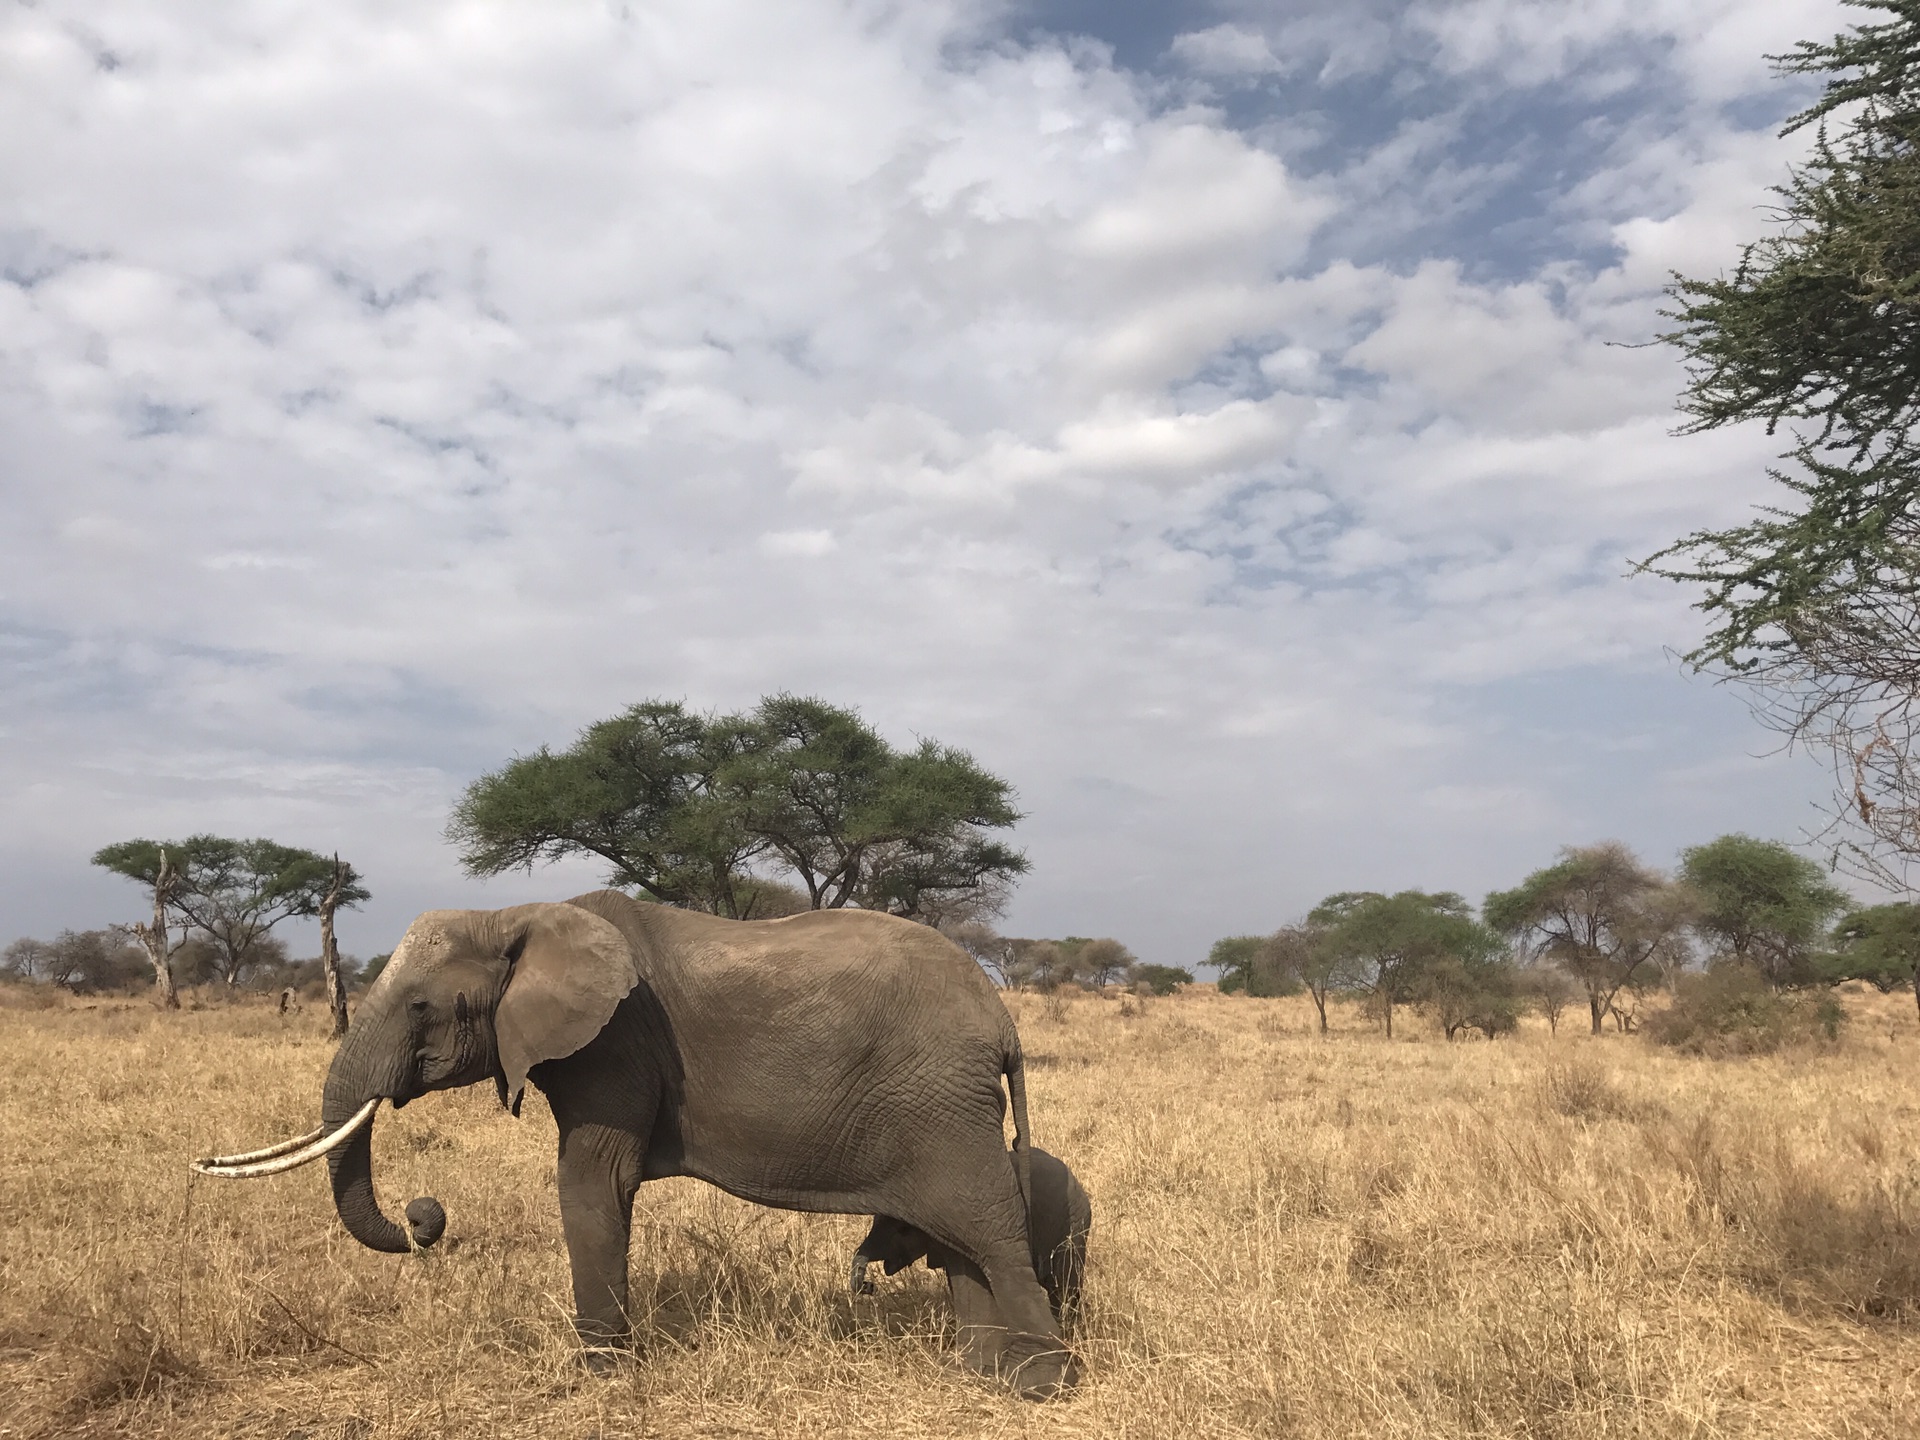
(1161, 979)
(1732, 1010)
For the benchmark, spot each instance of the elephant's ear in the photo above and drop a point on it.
(570, 969)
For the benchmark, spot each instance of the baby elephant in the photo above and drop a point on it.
(1058, 1221)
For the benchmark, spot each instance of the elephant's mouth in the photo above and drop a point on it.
(288, 1154)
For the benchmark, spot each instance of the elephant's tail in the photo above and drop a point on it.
(1014, 1066)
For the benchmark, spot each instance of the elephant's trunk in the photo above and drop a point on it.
(351, 1166)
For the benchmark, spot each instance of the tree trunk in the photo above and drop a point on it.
(1320, 1004)
(1389, 1000)
(153, 938)
(1595, 1009)
(330, 950)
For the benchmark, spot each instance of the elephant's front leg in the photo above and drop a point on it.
(600, 1168)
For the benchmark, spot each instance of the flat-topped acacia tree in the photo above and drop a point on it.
(688, 809)
(233, 892)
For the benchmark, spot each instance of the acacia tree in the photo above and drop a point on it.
(1600, 915)
(231, 891)
(1386, 944)
(1817, 601)
(1233, 958)
(1881, 945)
(684, 807)
(1549, 989)
(1302, 951)
(641, 791)
(1762, 904)
(859, 822)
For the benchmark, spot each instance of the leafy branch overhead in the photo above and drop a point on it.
(1818, 324)
(691, 809)
(1817, 599)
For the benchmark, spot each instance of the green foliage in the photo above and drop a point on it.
(642, 791)
(1385, 946)
(1162, 979)
(1599, 915)
(233, 891)
(1048, 965)
(1733, 1009)
(1478, 990)
(1233, 958)
(1819, 323)
(1880, 945)
(1763, 905)
(373, 968)
(683, 806)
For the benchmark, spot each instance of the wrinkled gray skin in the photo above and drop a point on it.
(1059, 1219)
(837, 1061)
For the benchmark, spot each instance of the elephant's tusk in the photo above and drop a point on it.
(289, 1154)
(272, 1151)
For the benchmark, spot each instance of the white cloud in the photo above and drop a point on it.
(1225, 50)
(385, 390)
(799, 543)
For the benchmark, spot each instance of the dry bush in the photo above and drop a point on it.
(1733, 1010)
(1294, 1236)
(1581, 1089)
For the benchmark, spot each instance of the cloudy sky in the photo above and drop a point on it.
(1218, 417)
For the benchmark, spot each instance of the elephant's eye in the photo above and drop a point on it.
(418, 1006)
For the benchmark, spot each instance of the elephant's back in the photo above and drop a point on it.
(862, 967)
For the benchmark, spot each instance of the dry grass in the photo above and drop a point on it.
(1293, 1237)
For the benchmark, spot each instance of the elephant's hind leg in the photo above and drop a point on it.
(1005, 1323)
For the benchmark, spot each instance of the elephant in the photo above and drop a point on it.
(1059, 1219)
(839, 1061)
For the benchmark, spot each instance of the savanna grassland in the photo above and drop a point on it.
(1294, 1236)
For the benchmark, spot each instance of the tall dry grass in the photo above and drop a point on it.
(1293, 1237)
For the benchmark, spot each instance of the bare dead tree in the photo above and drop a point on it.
(156, 937)
(343, 887)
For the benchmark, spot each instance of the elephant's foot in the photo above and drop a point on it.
(1037, 1368)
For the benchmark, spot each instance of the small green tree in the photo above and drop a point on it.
(1600, 915)
(1476, 988)
(1550, 990)
(1881, 945)
(1387, 943)
(1762, 905)
(1161, 979)
(1301, 953)
(1104, 961)
(1233, 959)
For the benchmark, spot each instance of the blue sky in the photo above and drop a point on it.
(1224, 420)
